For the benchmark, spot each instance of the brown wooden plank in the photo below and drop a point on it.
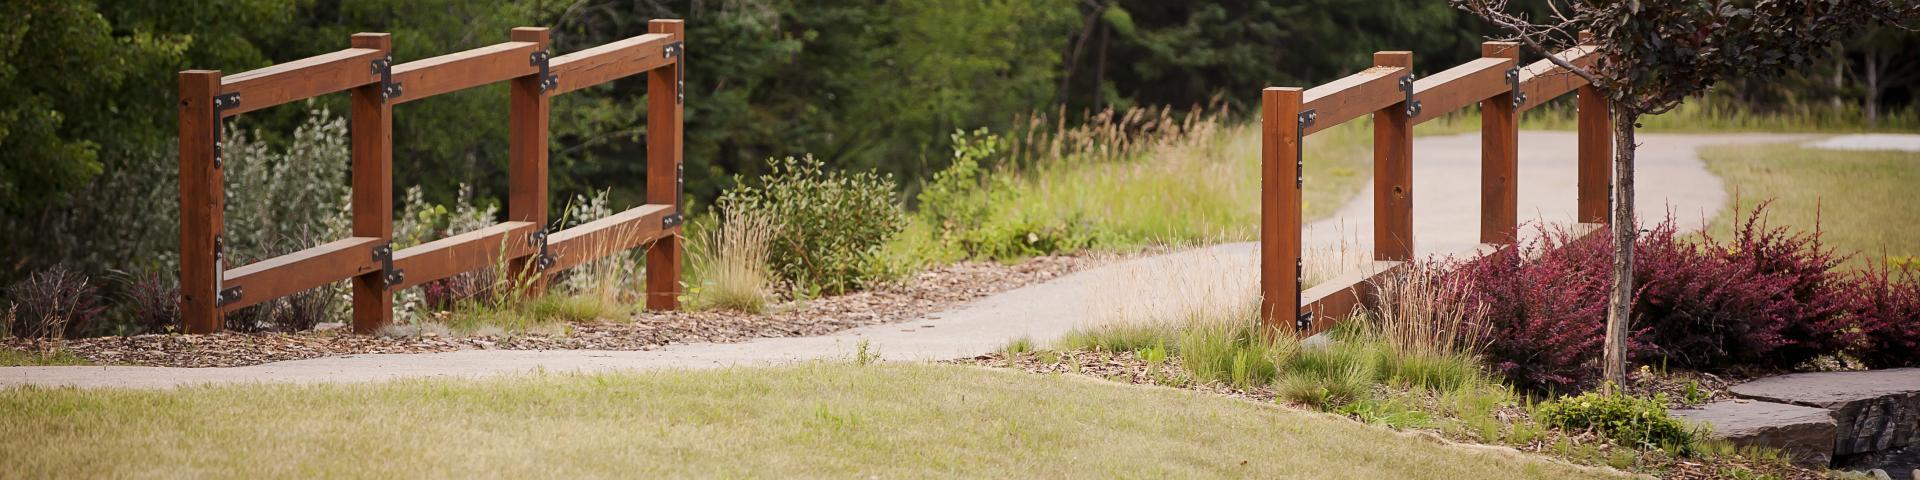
(459, 71)
(446, 257)
(607, 236)
(291, 273)
(1359, 94)
(302, 79)
(1342, 296)
(1499, 156)
(1393, 171)
(665, 167)
(1595, 169)
(529, 109)
(201, 202)
(1543, 81)
(1460, 86)
(372, 136)
(612, 61)
(1280, 208)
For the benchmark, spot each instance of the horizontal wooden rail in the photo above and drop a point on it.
(301, 79)
(612, 61)
(286, 274)
(634, 227)
(1359, 94)
(450, 256)
(1458, 87)
(459, 71)
(1542, 80)
(1493, 82)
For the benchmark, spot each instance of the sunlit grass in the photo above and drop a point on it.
(1863, 201)
(805, 421)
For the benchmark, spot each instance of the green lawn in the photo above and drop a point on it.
(814, 420)
(1865, 202)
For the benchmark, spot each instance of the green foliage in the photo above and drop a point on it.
(280, 200)
(831, 224)
(1636, 421)
(968, 207)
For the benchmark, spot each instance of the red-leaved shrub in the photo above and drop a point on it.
(1547, 303)
(1890, 317)
(1769, 298)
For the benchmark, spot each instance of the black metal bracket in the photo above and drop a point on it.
(1513, 82)
(221, 103)
(542, 260)
(678, 52)
(391, 276)
(383, 66)
(223, 295)
(548, 80)
(1406, 86)
(1304, 323)
(1302, 121)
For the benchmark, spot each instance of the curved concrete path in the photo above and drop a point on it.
(1446, 186)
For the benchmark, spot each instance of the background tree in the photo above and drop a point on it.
(1657, 53)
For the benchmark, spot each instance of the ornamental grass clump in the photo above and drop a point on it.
(732, 260)
(53, 304)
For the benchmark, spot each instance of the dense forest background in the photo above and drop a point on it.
(87, 87)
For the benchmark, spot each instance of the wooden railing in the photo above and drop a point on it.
(209, 289)
(1397, 102)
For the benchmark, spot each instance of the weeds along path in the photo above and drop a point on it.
(1446, 195)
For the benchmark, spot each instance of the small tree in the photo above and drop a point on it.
(1656, 53)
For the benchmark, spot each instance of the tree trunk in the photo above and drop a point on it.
(1873, 86)
(1620, 301)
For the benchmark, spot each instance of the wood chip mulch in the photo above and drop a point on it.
(909, 299)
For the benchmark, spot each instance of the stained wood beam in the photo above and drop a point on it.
(608, 62)
(301, 79)
(1359, 94)
(1457, 87)
(606, 236)
(465, 252)
(459, 71)
(291, 273)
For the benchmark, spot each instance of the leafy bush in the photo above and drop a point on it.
(1890, 317)
(54, 303)
(965, 206)
(1768, 298)
(1635, 421)
(1547, 306)
(153, 302)
(831, 224)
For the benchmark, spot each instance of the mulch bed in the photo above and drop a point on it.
(1130, 368)
(909, 299)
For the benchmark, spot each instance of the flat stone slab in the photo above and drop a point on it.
(1805, 433)
(1874, 410)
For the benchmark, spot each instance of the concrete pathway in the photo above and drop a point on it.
(1904, 142)
(1446, 186)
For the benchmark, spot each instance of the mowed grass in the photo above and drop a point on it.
(1863, 201)
(812, 420)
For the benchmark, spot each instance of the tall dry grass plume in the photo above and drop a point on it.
(733, 256)
(1421, 311)
(1108, 135)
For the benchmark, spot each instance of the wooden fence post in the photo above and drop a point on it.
(1596, 152)
(527, 198)
(1280, 164)
(1500, 153)
(1393, 170)
(372, 135)
(202, 201)
(665, 183)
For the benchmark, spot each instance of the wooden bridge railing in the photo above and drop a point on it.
(209, 288)
(1397, 102)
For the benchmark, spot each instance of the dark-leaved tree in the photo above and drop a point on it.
(1656, 53)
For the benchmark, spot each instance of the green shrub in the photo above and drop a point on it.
(965, 207)
(830, 224)
(1636, 421)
